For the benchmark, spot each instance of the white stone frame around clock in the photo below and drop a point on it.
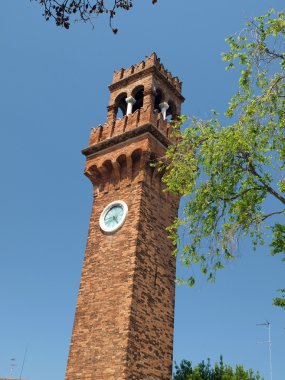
(104, 212)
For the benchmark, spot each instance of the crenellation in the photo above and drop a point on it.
(150, 61)
(163, 70)
(140, 117)
(106, 131)
(133, 120)
(95, 135)
(120, 125)
(129, 71)
(142, 65)
(176, 80)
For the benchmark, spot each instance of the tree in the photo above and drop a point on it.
(204, 371)
(233, 176)
(61, 11)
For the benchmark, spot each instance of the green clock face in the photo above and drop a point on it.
(113, 216)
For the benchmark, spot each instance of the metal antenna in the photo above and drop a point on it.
(12, 367)
(25, 354)
(269, 341)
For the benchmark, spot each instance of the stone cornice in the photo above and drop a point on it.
(105, 144)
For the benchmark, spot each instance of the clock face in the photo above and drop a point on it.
(113, 216)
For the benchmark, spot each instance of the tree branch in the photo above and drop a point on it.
(62, 10)
(274, 54)
(253, 171)
(273, 213)
(239, 194)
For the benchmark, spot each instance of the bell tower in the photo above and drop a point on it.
(123, 327)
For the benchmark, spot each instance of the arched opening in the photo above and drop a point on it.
(158, 99)
(122, 161)
(121, 105)
(171, 113)
(137, 93)
(107, 169)
(150, 164)
(136, 160)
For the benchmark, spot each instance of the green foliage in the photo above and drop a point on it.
(278, 241)
(227, 173)
(183, 371)
(204, 371)
(280, 301)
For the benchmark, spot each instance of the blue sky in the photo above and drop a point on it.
(53, 90)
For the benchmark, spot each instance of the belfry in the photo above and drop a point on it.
(123, 327)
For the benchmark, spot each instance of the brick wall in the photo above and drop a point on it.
(123, 327)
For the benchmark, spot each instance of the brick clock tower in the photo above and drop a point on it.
(123, 327)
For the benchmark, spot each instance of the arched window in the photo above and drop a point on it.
(137, 93)
(121, 105)
(158, 99)
(171, 113)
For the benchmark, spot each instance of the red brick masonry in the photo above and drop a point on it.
(123, 326)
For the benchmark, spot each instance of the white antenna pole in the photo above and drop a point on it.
(23, 363)
(269, 345)
(268, 325)
(12, 366)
